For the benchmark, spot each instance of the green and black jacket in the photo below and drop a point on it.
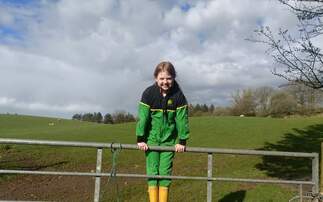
(162, 119)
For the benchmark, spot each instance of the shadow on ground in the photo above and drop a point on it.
(300, 140)
(12, 160)
(237, 196)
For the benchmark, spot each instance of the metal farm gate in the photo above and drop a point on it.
(208, 151)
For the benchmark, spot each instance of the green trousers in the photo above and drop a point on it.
(159, 163)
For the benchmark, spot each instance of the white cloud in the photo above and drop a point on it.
(100, 55)
(6, 101)
(37, 106)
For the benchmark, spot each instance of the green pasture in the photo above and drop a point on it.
(301, 134)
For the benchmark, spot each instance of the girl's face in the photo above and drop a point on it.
(164, 81)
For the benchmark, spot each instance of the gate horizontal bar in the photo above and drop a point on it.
(155, 177)
(156, 148)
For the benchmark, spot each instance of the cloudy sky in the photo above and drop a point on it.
(60, 57)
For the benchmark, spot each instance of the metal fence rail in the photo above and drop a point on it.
(209, 151)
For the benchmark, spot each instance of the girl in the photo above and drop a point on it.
(163, 117)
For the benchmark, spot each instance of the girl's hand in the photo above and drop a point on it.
(179, 148)
(142, 146)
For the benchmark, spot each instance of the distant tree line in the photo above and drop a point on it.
(116, 117)
(200, 109)
(291, 99)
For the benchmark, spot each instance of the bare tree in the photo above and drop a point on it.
(308, 12)
(263, 95)
(308, 99)
(299, 59)
(243, 103)
(282, 104)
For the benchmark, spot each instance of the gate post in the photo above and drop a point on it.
(98, 178)
(209, 174)
(315, 174)
(321, 171)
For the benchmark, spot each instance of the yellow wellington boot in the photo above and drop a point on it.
(153, 193)
(163, 194)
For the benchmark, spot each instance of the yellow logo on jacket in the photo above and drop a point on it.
(169, 102)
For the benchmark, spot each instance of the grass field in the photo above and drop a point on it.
(291, 134)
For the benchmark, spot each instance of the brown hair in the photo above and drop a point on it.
(167, 67)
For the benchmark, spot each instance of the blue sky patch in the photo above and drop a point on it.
(185, 7)
(18, 29)
(7, 32)
(18, 2)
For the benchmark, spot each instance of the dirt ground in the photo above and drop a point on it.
(63, 188)
(55, 188)
(48, 188)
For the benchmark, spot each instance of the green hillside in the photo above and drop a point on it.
(291, 134)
